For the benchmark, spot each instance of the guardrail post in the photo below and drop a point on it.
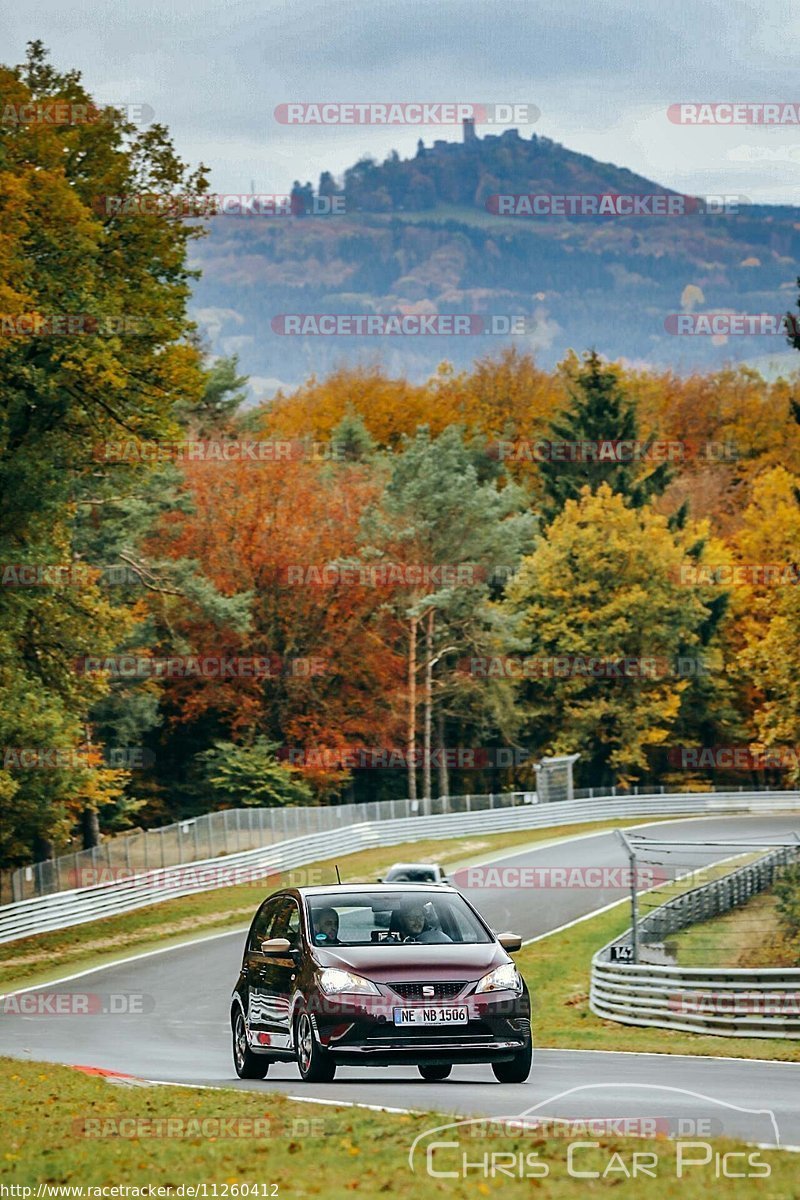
(634, 896)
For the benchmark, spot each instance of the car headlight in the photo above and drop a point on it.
(501, 979)
(333, 981)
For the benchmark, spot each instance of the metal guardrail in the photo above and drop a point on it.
(77, 906)
(733, 1002)
(231, 831)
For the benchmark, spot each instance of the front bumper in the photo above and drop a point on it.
(497, 1028)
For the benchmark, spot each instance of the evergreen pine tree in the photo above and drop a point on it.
(600, 415)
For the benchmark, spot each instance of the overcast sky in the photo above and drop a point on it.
(602, 75)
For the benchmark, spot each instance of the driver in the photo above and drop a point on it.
(326, 926)
(414, 927)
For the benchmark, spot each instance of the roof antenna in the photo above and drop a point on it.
(338, 876)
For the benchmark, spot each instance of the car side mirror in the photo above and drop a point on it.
(510, 941)
(380, 879)
(276, 947)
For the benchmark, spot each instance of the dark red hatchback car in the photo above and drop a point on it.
(380, 975)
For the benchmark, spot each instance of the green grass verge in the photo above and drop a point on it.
(749, 936)
(47, 956)
(64, 1127)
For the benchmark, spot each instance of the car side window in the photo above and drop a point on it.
(455, 924)
(287, 922)
(293, 927)
(262, 926)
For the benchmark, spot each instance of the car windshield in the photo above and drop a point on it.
(392, 919)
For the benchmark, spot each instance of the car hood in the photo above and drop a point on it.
(414, 962)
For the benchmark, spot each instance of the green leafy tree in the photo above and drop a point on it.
(599, 593)
(251, 776)
(113, 279)
(435, 511)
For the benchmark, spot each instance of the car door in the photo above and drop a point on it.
(255, 965)
(277, 981)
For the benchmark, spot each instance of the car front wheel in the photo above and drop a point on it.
(313, 1060)
(247, 1064)
(516, 1069)
(433, 1073)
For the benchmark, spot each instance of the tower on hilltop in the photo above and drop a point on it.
(470, 136)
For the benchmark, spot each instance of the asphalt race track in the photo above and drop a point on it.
(185, 1037)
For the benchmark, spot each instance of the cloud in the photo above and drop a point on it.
(602, 75)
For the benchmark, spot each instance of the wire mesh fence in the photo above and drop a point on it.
(686, 894)
(226, 832)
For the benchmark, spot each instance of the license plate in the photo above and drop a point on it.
(430, 1016)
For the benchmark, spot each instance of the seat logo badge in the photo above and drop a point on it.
(428, 990)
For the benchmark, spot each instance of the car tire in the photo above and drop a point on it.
(516, 1069)
(313, 1061)
(247, 1064)
(435, 1072)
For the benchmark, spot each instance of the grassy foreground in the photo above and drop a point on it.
(64, 1127)
(47, 956)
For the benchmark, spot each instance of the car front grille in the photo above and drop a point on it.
(441, 991)
(473, 1032)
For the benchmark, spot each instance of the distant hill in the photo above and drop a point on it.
(422, 235)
